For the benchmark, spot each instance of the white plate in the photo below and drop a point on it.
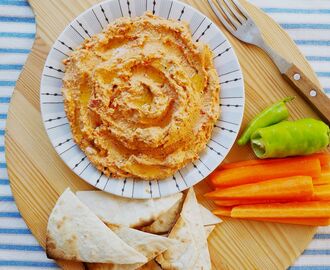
(232, 97)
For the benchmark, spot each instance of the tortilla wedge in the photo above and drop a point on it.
(114, 210)
(75, 233)
(192, 250)
(208, 217)
(208, 230)
(167, 220)
(147, 244)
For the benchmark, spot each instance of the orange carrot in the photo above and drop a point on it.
(323, 157)
(298, 221)
(291, 188)
(250, 201)
(246, 175)
(319, 209)
(222, 211)
(324, 179)
(322, 193)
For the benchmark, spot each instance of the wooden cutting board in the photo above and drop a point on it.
(38, 175)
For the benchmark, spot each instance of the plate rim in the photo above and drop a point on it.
(243, 98)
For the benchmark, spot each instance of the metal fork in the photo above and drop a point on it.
(244, 28)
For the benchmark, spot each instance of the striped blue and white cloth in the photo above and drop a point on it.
(307, 22)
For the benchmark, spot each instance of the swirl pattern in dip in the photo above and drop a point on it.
(141, 97)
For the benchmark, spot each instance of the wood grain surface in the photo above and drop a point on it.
(38, 175)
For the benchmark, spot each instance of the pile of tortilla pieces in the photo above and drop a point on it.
(109, 232)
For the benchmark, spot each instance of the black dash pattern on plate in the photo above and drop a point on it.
(56, 69)
(181, 14)
(54, 119)
(220, 54)
(226, 129)
(129, 9)
(176, 183)
(123, 188)
(203, 33)
(64, 142)
(98, 179)
(83, 28)
(212, 149)
(51, 94)
(78, 163)
(63, 43)
(233, 80)
(105, 15)
(195, 166)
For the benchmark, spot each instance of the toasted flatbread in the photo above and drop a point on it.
(208, 230)
(166, 221)
(192, 249)
(149, 245)
(75, 233)
(208, 217)
(114, 210)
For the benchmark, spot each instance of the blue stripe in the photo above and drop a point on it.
(296, 10)
(7, 83)
(28, 263)
(323, 74)
(6, 198)
(2, 132)
(14, 231)
(13, 3)
(3, 165)
(11, 67)
(4, 182)
(322, 236)
(21, 247)
(17, 35)
(318, 58)
(17, 19)
(309, 267)
(2, 148)
(312, 42)
(305, 25)
(316, 252)
(10, 50)
(10, 214)
(3, 116)
(4, 99)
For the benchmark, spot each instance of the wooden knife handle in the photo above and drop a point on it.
(311, 92)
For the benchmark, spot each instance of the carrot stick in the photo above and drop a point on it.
(322, 193)
(324, 179)
(250, 201)
(323, 157)
(319, 209)
(291, 188)
(298, 221)
(262, 172)
(222, 211)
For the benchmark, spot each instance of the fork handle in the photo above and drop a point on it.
(309, 91)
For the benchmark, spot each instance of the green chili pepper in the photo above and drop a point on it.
(270, 116)
(290, 138)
